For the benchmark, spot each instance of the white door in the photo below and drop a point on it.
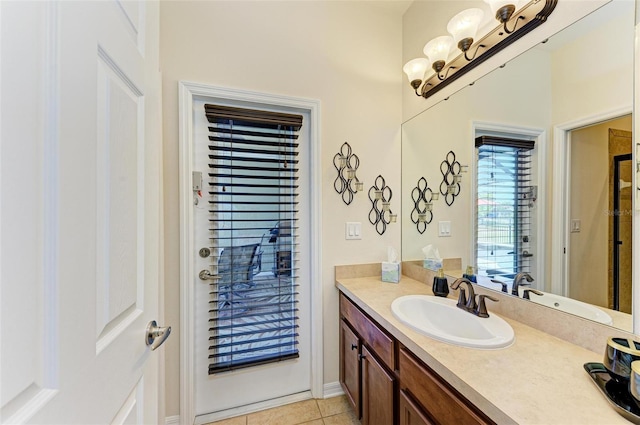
(79, 211)
(228, 393)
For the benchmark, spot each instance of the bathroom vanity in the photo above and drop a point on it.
(395, 375)
(373, 364)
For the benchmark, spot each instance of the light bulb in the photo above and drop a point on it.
(465, 24)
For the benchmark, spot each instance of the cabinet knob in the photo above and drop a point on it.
(361, 356)
(354, 346)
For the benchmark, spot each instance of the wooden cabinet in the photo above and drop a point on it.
(377, 392)
(437, 399)
(411, 413)
(367, 359)
(350, 365)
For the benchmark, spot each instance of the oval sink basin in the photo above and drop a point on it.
(439, 318)
(571, 306)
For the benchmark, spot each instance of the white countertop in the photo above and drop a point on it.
(539, 379)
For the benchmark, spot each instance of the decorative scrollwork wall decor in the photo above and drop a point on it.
(347, 183)
(451, 177)
(380, 196)
(423, 198)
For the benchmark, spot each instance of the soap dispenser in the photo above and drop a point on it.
(469, 275)
(440, 285)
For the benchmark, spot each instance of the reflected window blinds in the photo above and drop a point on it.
(503, 219)
(253, 226)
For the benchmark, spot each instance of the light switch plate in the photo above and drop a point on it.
(444, 228)
(353, 230)
(575, 225)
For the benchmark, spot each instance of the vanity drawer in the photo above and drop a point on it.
(381, 343)
(440, 401)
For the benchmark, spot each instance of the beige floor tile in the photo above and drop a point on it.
(347, 418)
(316, 422)
(333, 406)
(291, 414)
(240, 420)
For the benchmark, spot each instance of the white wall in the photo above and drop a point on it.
(347, 54)
(594, 73)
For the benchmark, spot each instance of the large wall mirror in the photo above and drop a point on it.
(569, 221)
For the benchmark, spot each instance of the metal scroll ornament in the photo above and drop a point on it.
(347, 183)
(380, 196)
(451, 178)
(423, 198)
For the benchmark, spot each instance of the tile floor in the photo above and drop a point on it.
(330, 411)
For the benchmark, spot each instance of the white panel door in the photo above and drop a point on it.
(80, 204)
(229, 393)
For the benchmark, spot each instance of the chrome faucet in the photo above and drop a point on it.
(517, 282)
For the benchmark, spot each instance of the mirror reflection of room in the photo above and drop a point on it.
(549, 95)
(600, 214)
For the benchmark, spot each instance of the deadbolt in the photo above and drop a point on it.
(204, 252)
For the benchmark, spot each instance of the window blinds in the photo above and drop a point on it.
(503, 222)
(253, 215)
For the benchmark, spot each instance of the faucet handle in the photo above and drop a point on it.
(482, 306)
(525, 293)
(504, 285)
(514, 288)
(462, 298)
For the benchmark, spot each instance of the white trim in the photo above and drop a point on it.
(541, 146)
(252, 408)
(332, 389)
(187, 92)
(560, 206)
(51, 194)
(172, 420)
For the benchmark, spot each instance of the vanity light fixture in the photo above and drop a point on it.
(437, 50)
(415, 70)
(451, 177)
(503, 11)
(463, 28)
(423, 198)
(380, 196)
(347, 183)
(514, 23)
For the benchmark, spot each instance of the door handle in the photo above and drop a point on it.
(156, 335)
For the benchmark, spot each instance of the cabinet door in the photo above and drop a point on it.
(350, 366)
(410, 413)
(377, 392)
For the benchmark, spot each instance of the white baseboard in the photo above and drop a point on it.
(332, 389)
(172, 420)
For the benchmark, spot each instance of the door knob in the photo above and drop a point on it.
(156, 335)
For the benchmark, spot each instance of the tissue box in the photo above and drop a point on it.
(390, 272)
(432, 264)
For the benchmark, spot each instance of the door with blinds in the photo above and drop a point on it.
(252, 228)
(505, 196)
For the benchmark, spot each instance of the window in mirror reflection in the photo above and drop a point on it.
(504, 195)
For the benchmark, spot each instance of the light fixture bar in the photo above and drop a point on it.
(530, 16)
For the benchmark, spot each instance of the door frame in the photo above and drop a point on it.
(617, 159)
(540, 136)
(560, 198)
(187, 92)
